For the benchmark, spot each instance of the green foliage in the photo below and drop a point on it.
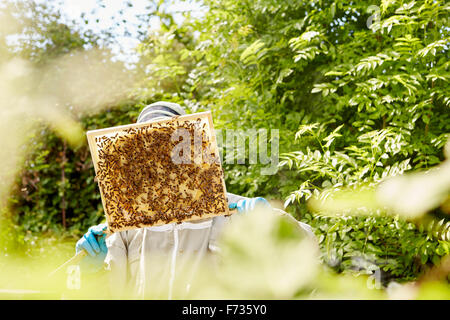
(282, 65)
(353, 165)
(354, 105)
(359, 93)
(378, 242)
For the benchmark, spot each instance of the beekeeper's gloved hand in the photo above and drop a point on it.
(93, 241)
(247, 205)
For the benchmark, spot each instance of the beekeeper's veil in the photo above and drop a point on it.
(160, 110)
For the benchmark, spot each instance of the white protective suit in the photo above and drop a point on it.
(145, 262)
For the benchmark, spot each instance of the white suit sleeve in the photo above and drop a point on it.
(117, 263)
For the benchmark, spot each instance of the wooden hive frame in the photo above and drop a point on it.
(195, 199)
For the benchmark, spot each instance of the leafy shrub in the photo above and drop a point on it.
(395, 247)
(353, 104)
(364, 102)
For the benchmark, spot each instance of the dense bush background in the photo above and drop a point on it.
(353, 105)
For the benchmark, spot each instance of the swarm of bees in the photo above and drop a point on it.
(142, 186)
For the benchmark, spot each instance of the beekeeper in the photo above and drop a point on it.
(145, 262)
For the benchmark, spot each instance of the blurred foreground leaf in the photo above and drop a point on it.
(409, 195)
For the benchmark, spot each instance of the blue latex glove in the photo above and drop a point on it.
(93, 241)
(247, 205)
